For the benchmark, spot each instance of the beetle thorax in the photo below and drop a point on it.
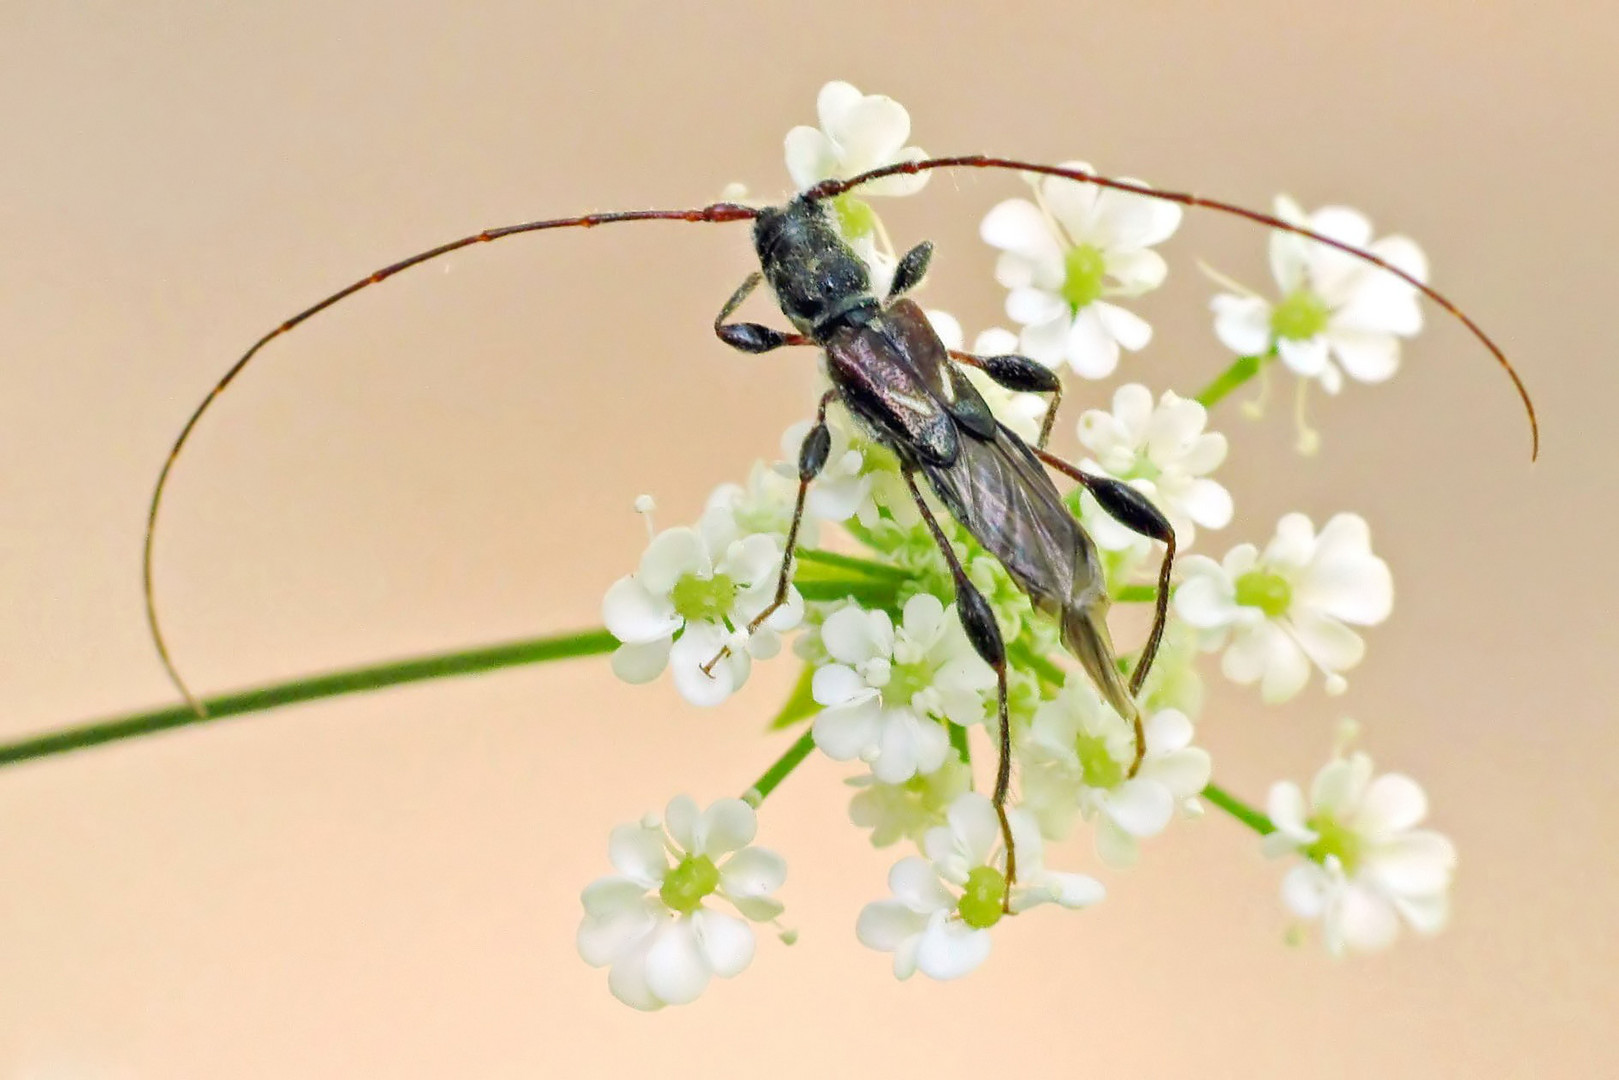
(818, 280)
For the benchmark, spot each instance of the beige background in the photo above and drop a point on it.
(388, 886)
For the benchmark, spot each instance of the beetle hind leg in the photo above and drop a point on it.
(978, 619)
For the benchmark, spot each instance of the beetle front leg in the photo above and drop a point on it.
(750, 337)
(1023, 375)
(978, 619)
(812, 453)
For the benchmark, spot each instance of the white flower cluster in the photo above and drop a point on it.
(891, 680)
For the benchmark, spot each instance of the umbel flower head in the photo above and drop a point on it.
(889, 680)
(1078, 755)
(1291, 606)
(889, 687)
(1165, 453)
(1338, 315)
(1366, 867)
(938, 921)
(691, 599)
(657, 921)
(1066, 256)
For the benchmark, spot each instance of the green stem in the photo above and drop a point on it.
(1239, 809)
(353, 681)
(958, 741)
(1241, 370)
(1136, 594)
(868, 567)
(779, 771)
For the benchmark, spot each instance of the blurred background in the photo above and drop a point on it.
(388, 885)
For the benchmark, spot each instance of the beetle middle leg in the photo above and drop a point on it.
(1021, 374)
(812, 454)
(978, 619)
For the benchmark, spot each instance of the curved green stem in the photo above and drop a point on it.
(353, 681)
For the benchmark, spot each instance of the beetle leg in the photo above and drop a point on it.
(1135, 512)
(1021, 374)
(746, 336)
(978, 619)
(913, 266)
(811, 459)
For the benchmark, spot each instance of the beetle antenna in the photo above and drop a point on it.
(827, 189)
(716, 212)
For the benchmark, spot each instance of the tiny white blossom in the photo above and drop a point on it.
(1290, 607)
(858, 133)
(907, 810)
(765, 503)
(1164, 452)
(1079, 754)
(888, 689)
(653, 922)
(1338, 314)
(1060, 258)
(1366, 864)
(693, 596)
(843, 485)
(938, 922)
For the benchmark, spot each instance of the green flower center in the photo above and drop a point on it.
(1334, 839)
(685, 886)
(1083, 269)
(699, 599)
(1300, 316)
(1097, 765)
(905, 681)
(1267, 591)
(855, 218)
(981, 904)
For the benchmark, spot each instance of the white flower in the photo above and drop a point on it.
(843, 485)
(858, 133)
(1287, 609)
(907, 810)
(692, 596)
(765, 503)
(1080, 751)
(1165, 454)
(1366, 865)
(1338, 314)
(650, 921)
(888, 689)
(1022, 412)
(938, 922)
(1062, 257)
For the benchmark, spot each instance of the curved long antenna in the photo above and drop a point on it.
(827, 189)
(716, 212)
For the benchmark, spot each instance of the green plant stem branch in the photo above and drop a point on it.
(334, 684)
(1241, 370)
(1239, 809)
(868, 567)
(780, 769)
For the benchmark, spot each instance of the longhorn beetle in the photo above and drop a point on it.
(891, 372)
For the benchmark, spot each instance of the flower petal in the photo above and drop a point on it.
(637, 852)
(725, 940)
(671, 555)
(635, 614)
(676, 969)
(949, 949)
(637, 664)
